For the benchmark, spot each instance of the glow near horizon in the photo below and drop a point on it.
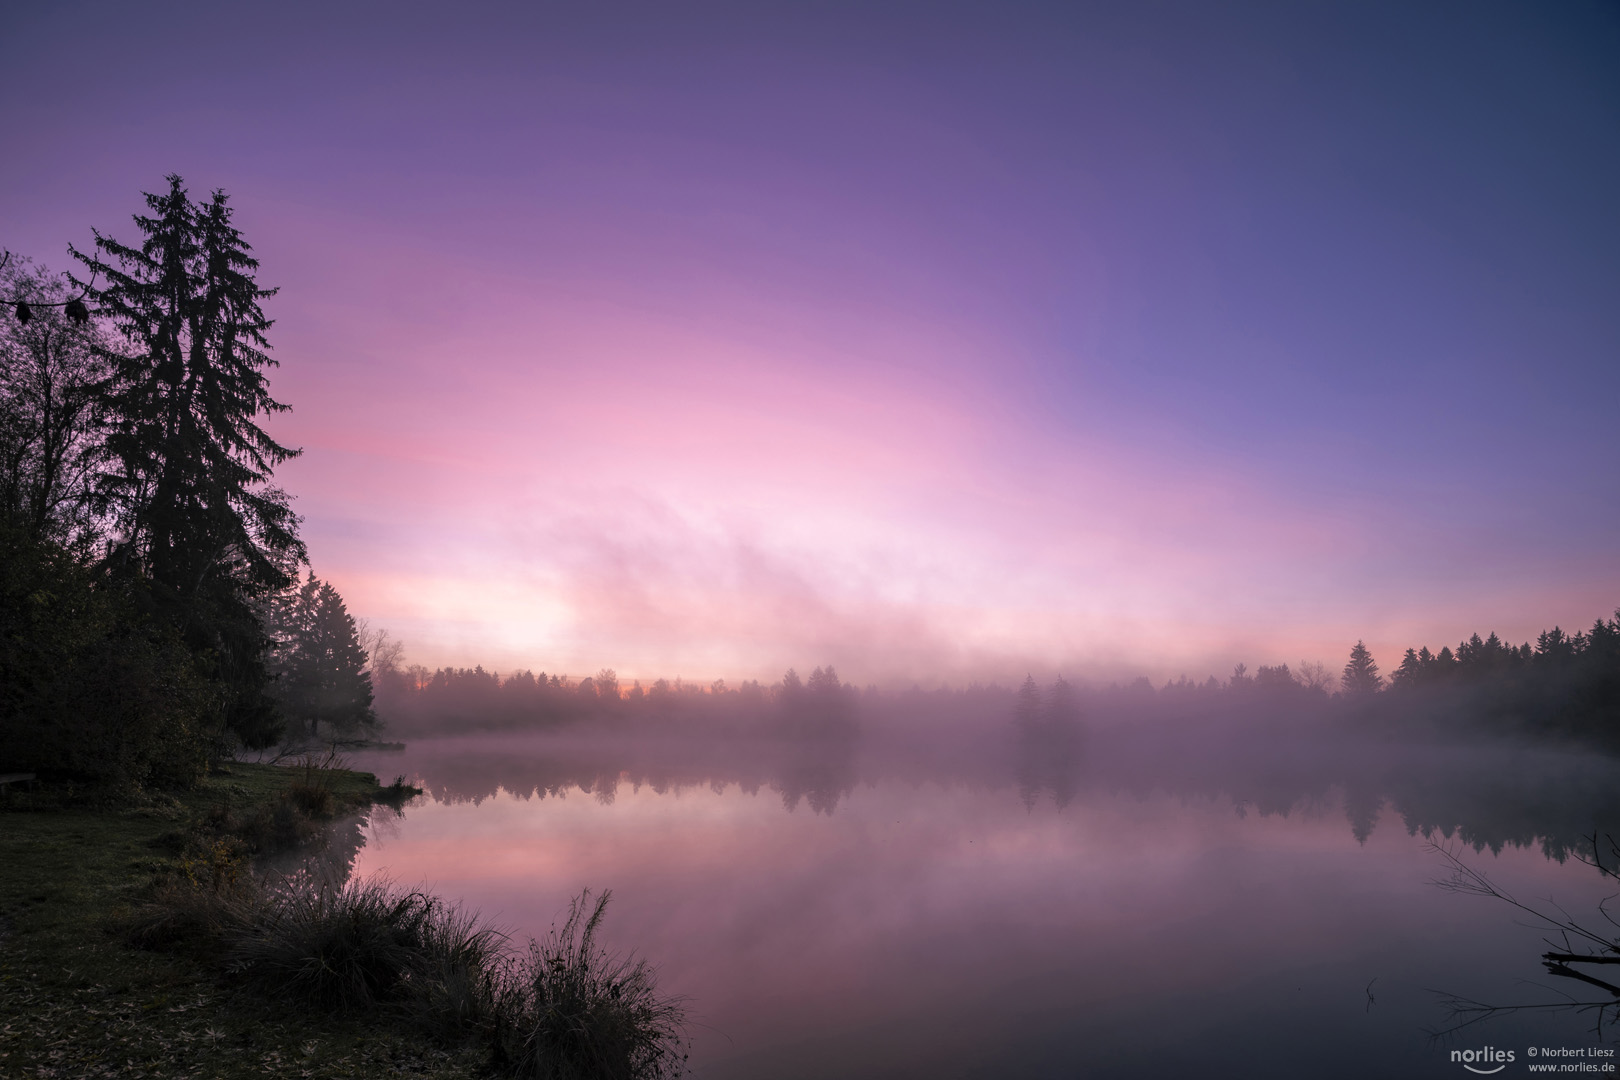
(718, 514)
(1096, 344)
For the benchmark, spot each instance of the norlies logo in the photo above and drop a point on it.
(1485, 1057)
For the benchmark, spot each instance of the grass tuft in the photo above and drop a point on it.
(571, 1011)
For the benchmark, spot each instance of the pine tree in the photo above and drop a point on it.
(1360, 673)
(189, 495)
(1027, 705)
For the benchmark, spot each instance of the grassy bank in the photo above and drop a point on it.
(78, 1000)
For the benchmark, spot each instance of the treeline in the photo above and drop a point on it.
(415, 700)
(1564, 685)
(151, 613)
(1593, 652)
(1567, 685)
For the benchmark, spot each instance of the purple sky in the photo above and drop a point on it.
(934, 341)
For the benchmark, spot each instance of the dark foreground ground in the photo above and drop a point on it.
(76, 1000)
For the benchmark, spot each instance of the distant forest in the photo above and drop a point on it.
(1566, 685)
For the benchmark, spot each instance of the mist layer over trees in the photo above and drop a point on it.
(1564, 687)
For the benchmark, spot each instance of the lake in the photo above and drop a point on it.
(1122, 905)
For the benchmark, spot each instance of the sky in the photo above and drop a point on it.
(933, 341)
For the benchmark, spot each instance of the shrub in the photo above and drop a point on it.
(570, 1011)
(565, 1011)
(311, 794)
(363, 944)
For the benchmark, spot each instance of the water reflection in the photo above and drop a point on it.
(1033, 899)
(1486, 796)
(334, 849)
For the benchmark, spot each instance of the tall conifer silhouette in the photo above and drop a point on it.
(189, 490)
(1360, 672)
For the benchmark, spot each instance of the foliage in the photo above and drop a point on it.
(414, 698)
(91, 685)
(196, 909)
(1566, 685)
(571, 1011)
(131, 440)
(77, 1001)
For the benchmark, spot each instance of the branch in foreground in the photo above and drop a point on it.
(1466, 879)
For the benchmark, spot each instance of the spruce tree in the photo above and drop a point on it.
(189, 493)
(1360, 672)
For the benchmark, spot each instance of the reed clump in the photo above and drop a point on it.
(569, 1010)
(349, 947)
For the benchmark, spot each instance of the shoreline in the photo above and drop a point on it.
(76, 999)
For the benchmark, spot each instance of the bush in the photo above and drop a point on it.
(570, 1011)
(342, 947)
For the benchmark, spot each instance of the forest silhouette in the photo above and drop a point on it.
(151, 612)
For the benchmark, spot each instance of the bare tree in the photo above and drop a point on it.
(384, 653)
(53, 361)
(1315, 677)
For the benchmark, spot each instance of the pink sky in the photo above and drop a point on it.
(567, 475)
(706, 341)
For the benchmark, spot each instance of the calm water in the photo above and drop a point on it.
(1159, 907)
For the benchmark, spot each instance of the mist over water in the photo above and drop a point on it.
(966, 895)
